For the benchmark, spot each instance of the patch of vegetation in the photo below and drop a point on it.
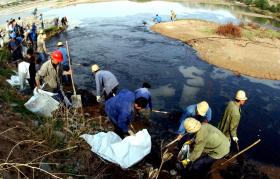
(229, 30)
(263, 4)
(260, 33)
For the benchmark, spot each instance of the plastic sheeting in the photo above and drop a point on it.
(42, 103)
(124, 152)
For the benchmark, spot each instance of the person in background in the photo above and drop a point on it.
(120, 110)
(145, 93)
(209, 145)
(157, 19)
(173, 16)
(42, 21)
(2, 34)
(106, 83)
(201, 111)
(14, 46)
(20, 22)
(65, 62)
(230, 121)
(32, 67)
(41, 46)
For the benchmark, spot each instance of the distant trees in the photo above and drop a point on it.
(262, 4)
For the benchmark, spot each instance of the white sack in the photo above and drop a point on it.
(124, 152)
(14, 80)
(42, 103)
(23, 73)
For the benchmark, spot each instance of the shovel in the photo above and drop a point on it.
(76, 99)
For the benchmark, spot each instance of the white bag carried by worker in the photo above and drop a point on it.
(124, 152)
(42, 103)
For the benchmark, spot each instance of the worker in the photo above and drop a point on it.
(14, 46)
(106, 83)
(209, 145)
(50, 72)
(173, 16)
(230, 121)
(200, 111)
(64, 63)
(157, 19)
(145, 93)
(42, 21)
(120, 109)
(32, 67)
(41, 46)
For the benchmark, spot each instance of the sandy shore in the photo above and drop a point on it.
(258, 57)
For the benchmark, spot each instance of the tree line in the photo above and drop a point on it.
(262, 4)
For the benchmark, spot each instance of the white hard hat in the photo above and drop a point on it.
(241, 95)
(202, 108)
(192, 125)
(59, 44)
(94, 68)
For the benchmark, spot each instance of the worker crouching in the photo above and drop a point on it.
(209, 145)
(120, 110)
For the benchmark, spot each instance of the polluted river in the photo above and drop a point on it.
(112, 35)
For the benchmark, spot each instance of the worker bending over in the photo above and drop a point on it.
(106, 83)
(120, 110)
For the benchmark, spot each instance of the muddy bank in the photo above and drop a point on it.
(254, 54)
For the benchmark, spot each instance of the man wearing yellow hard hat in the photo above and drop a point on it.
(209, 145)
(230, 121)
(200, 111)
(106, 83)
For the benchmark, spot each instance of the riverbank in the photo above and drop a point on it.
(256, 53)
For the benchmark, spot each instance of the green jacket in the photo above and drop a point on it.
(211, 141)
(228, 125)
(50, 75)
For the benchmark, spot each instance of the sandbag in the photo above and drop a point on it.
(42, 103)
(124, 152)
(23, 73)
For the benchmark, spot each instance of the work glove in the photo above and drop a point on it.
(98, 99)
(130, 132)
(185, 162)
(189, 142)
(235, 139)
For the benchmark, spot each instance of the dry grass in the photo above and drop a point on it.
(229, 30)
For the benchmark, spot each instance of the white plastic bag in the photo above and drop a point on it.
(124, 152)
(42, 103)
(23, 73)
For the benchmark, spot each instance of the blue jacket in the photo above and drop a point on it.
(105, 80)
(158, 19)
(145, 93)
(190, 111)
(64, 54)
(120, 109)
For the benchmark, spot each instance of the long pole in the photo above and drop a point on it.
(236, 155)
(68, 53)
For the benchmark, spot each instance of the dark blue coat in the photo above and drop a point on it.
(120, 109)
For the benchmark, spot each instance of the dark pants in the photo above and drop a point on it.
(111, 94)
(200, 167)
(120, 132)
(31, 83)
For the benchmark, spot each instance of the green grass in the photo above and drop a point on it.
(253, 33)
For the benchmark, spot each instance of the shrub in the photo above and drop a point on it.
(229, 30)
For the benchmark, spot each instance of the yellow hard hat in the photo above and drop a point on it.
(94, 68)
(202, 108)
(41, 31)
(191, 125)
(59, 44)
(241, 95)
